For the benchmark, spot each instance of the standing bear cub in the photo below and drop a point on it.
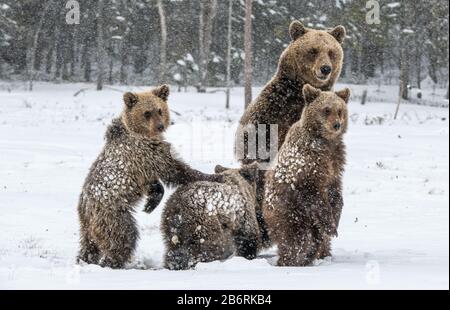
(314, 57)
(303, 202)
(206, 221)
(130, 166)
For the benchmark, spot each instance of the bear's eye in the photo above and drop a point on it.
(327, 112)
(332, 55)
(160, 112)
(313, 52)
(148, 115)
(340, 113)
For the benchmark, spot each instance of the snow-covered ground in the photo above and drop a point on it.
(395, 227)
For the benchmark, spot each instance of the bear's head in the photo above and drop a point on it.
(326, 113)
(147, 113)
(245, 177)
(314, 56)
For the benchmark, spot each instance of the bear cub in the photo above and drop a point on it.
(303, 201)
(205, 222)
(133, 161)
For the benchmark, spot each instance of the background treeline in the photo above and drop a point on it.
(185, 42)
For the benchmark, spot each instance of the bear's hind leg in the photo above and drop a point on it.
(195, 242)
(179, 258)
(117, 238)
(247, 244)
(260, 199)
(297, 253)
(324, 249)
(89, 252)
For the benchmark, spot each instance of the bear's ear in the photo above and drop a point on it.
(130, 100)
(297, 30)
(162, 92)
(339, 33)
(220, 169)
(344, 94)
(250, 172)
(310, 93)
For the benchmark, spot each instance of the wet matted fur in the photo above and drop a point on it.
(205, 221)
(134, 159)
(303, 198)
(281, 101)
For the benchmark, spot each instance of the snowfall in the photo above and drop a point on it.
(394, 232)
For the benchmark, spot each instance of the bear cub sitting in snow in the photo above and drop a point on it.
(205, 221)
(303, 202)
(129, 167)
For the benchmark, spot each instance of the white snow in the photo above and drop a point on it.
(189, 58)
(177, 77)
(394, 232)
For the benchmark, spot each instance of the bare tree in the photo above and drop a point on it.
(34, 45)
(404, 50)
(124, 48)
(163, 50)
(8, 26)
(248, 46)
(101, 50)
(404, 74)
(208, 12)
(230, 42)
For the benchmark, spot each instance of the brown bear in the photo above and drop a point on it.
(134, 159)
(314, 57)
(205, 221)
(303, 199)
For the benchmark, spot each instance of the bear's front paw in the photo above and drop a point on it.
(155, 196)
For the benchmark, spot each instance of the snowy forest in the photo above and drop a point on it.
(185, 42)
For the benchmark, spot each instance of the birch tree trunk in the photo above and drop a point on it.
(248, 46)
(230, 42)
(404, 50)
(49, 59)
(34, 45)
(123, 63)
(418, 61)
(86, 60)
(163, 51)
(111, 70)
(124, 48)
(208, 12)
(101, 51)
(201, 38)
